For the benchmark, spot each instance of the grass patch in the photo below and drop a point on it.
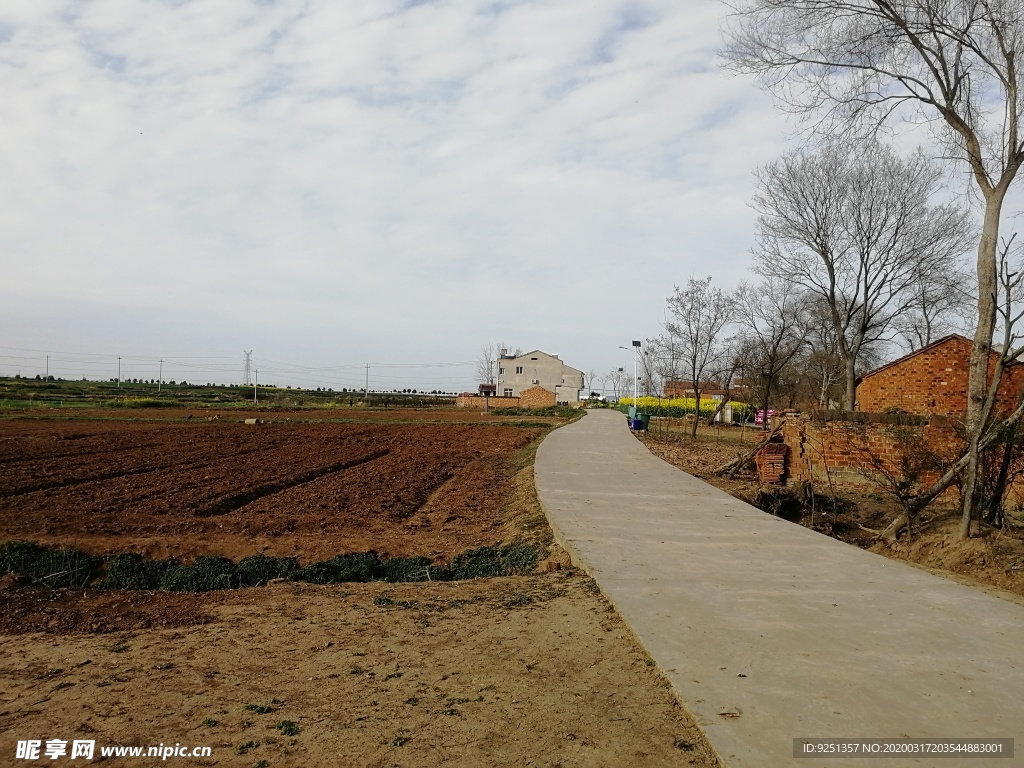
(558, 411)
(53, 568)
(72, 568)
(132, 571)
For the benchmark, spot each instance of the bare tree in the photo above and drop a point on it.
(696, 319)
(486, 363)
(856, 229)
(864, 63)
(649, 370)
(774, 327)
(938, 299)
(618, 380)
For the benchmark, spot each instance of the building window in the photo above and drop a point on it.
(501, 371)
(507, 392)
(519, 369)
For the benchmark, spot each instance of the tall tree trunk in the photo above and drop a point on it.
(850, 397)
(993, 514)
(977, 382)
(696, 411)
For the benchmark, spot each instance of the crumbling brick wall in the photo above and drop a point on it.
(833, 451)
(468, 400)
(839, 453)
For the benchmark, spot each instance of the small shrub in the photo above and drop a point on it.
(288, 728)
(241, 749)
(482, 562)
(131, 571)
(257, 570)
(53, 568)
(205, 574)
(358, 567)
(405, 569)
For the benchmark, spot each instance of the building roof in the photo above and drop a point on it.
(915, 353)
(540, 352)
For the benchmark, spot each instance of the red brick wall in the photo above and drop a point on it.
(466, 400)
(933, 381)
(536, 397)
(839, 453)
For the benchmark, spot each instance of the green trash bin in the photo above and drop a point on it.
(631, 414)
(645, 420)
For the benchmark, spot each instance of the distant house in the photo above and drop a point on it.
(709, 390)
(518, 374)
(932, 381)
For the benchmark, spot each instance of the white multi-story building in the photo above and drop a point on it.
(518, 373)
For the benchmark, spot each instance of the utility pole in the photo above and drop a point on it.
(47, 367)
(160, 381)
(366, 389)
(255, 383)
(247, 371)
(636, 376)
(118, 371)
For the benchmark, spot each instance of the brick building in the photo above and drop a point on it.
(932, 381)
(709, 390)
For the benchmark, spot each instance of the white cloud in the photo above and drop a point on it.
(343, 183)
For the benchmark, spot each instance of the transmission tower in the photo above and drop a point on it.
(247, 372)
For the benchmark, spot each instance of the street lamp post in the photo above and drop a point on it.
(636, 371)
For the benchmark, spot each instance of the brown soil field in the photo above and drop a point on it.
(533, 670)
(995, 559)
(305, 490)
(275, 415)
(520, 671)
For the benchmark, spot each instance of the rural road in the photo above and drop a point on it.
(769, 631)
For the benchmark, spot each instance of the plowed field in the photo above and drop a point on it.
(305, 490)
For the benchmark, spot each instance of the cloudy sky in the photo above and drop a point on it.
(334, 183)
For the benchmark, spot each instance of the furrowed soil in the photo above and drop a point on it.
(217, 488)
(994, 559)
(521, 670)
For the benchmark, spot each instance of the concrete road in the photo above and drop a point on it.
(771, 632)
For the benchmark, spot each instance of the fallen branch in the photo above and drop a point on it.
(891, 533)
(734, 466)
